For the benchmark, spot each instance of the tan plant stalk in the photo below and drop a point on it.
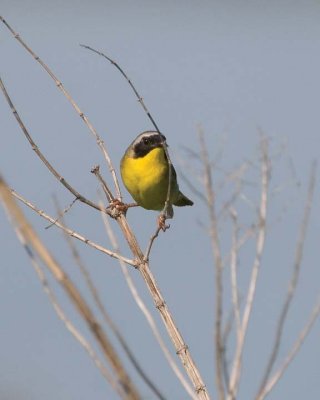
(147, 314)
(215, 244)
(33, 242)
(71, 327)
(292, 284)
(274, 379)
(237, 362)
(107, 318)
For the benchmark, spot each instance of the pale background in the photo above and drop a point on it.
(234, 67)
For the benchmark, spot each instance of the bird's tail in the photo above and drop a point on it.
(183, 200)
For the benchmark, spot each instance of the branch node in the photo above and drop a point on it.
(182, 349)
(200, 388)
(95, 169)
(160, 304)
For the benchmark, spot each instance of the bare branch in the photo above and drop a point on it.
(236, 368)
(140, 303)
(248, 234)
(97, 299)
(72, 233)
(71, 328)
(96, 171)
(85, 119)
(291, 355)
(152, 239)
(32, 241)
(214, 235)
(41, 156)
(293, 281)
(233, 268)
(140, 99)
(173, 332)
(166, 213)
(61, 213)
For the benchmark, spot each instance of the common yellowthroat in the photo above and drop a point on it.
(145, 173)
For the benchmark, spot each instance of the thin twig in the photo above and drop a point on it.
(71, 232)
(293, 281)
(215, 242)
(96, 171)
(291, 355)
(36, 149)
(233, 274)
(225, 335)
(248, 234)
(152, 239)
(61, 214)
(71, 327)
(85, 119)
(237, 363)
(168, 204)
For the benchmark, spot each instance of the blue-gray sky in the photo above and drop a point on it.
(233, 66)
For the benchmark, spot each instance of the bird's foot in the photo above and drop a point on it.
(119, 206)
(162, 223)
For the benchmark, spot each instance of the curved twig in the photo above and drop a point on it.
(36, 149)
(85, 119)
(167, 206)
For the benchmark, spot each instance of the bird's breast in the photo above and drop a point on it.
(146, 178)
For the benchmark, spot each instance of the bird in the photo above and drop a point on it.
(145, 173)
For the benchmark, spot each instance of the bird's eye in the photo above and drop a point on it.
(146, 141)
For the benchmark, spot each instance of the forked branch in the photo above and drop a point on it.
(33, 244)
(85, 119)
(262, 215)
(143, 266)
(291, 287)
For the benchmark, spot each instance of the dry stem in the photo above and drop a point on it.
(168, 206)
(292, 353)
(71, 327)
(85, 119)
(33, 242)
(71, 232)
(41, 156)
(292, 284)
(237, 363)
(98, 301)
(214, 235)
(140, 303)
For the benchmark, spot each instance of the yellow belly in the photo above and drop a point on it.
(146, 179)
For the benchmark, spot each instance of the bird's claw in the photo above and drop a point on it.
(118, 205)
(162, 223)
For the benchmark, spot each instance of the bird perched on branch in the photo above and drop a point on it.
(145, 173)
